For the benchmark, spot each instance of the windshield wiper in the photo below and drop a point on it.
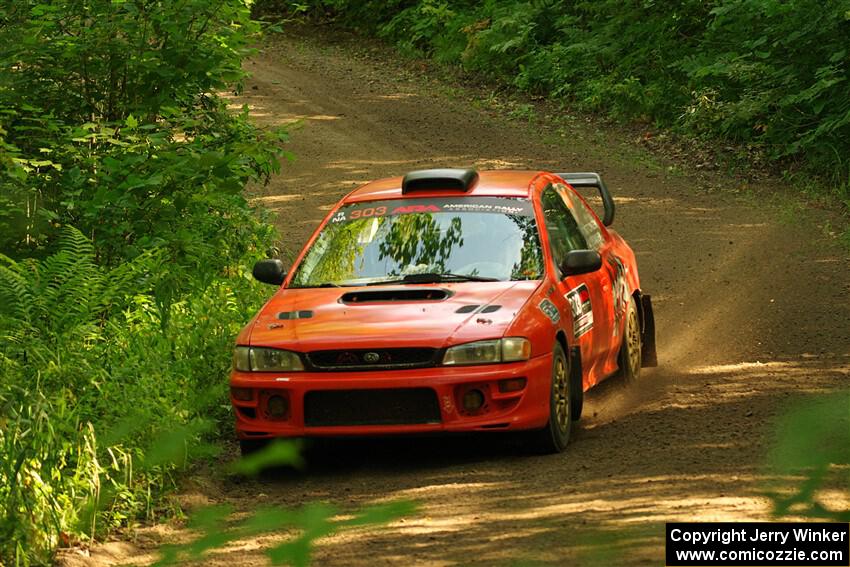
(325, 284)
(433, 277)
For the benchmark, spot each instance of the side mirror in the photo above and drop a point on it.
(581, 262)
(269, 271)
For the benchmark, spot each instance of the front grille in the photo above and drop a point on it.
(372, 359)
(407, 406)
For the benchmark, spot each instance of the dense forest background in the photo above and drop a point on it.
(769, 76)
(126, 240)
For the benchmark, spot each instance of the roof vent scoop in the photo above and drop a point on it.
(430, 179)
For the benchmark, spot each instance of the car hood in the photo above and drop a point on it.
(406, 315)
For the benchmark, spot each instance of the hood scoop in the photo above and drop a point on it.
(385, 295)
(467, 308)
(289, 315)
(476, 308)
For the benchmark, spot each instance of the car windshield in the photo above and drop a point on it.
(424, 240)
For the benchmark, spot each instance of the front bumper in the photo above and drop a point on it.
(525, 408)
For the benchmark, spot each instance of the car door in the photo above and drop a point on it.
(585, 294)
(614, 299)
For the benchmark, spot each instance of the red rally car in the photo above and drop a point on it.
(445, 301)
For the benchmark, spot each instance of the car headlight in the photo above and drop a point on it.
(255, 359)
(510, 349)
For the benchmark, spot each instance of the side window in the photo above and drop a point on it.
(587, 224)
(564, 234)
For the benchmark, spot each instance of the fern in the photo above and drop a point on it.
(15, 292)
(66, 297)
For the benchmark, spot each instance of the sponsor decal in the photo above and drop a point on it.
(447, 403)
(483, 208)
(620, 290)
(548, 308)
(582, 309)
(399, 207)
(416, 209)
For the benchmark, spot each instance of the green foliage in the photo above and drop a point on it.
(110, 122)
(315, 520)
(100, 402)
(767, 74)
(175, 184)
(48, 465)
(312, 521)
(107, 60)
(812, 447)
(115, 336)
(276, 453)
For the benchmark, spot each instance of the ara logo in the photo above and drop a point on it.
(416, 209)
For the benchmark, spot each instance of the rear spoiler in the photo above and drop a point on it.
(590, 179)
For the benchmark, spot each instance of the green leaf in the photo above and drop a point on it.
(278, 453)
(172, 446)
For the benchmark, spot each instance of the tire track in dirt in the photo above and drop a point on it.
(752, 313)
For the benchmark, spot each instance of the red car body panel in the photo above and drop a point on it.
(420, 323)
(437, 324)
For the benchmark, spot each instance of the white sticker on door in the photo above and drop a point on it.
(579, 299)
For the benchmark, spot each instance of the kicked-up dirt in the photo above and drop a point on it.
(751, 307)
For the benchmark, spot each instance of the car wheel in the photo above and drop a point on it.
(629, 358)
(554, 437)
(251, 446)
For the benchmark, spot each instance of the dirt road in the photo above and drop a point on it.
(751, 305)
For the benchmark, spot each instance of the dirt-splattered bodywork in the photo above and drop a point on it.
(372, 355)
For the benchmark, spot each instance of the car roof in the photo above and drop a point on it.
(494, 183)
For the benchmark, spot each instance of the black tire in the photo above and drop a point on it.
(251, 446)
(631, 349)
(555, 436)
